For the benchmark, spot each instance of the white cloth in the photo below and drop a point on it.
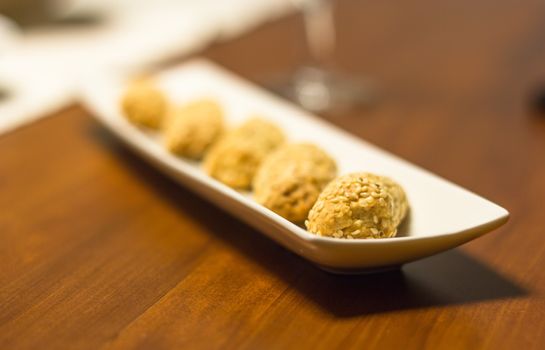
(43, 66)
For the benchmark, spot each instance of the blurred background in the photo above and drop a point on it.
(46, 46)
(337, 55)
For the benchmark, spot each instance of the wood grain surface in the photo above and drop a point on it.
(99, 250)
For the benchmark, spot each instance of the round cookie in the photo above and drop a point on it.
(191, 129)
(359, 205)
(234, 159)
(143, 104)
(290, 179)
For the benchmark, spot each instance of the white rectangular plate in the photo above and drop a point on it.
(443, 215)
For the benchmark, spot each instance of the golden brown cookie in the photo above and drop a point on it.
(234, 159)
(359, 205)
(191, 129)
(143, 104)
(290, 179)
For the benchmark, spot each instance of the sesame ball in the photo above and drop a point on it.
(143, 104)
(190, 130)
(290, 179)
(234, 159)
(359, 205)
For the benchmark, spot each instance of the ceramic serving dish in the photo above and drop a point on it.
(443, 215)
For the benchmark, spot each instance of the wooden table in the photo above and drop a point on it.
(100, 250)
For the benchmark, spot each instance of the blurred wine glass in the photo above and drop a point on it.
(319, 86)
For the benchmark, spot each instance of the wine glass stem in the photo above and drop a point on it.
(319, 30)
